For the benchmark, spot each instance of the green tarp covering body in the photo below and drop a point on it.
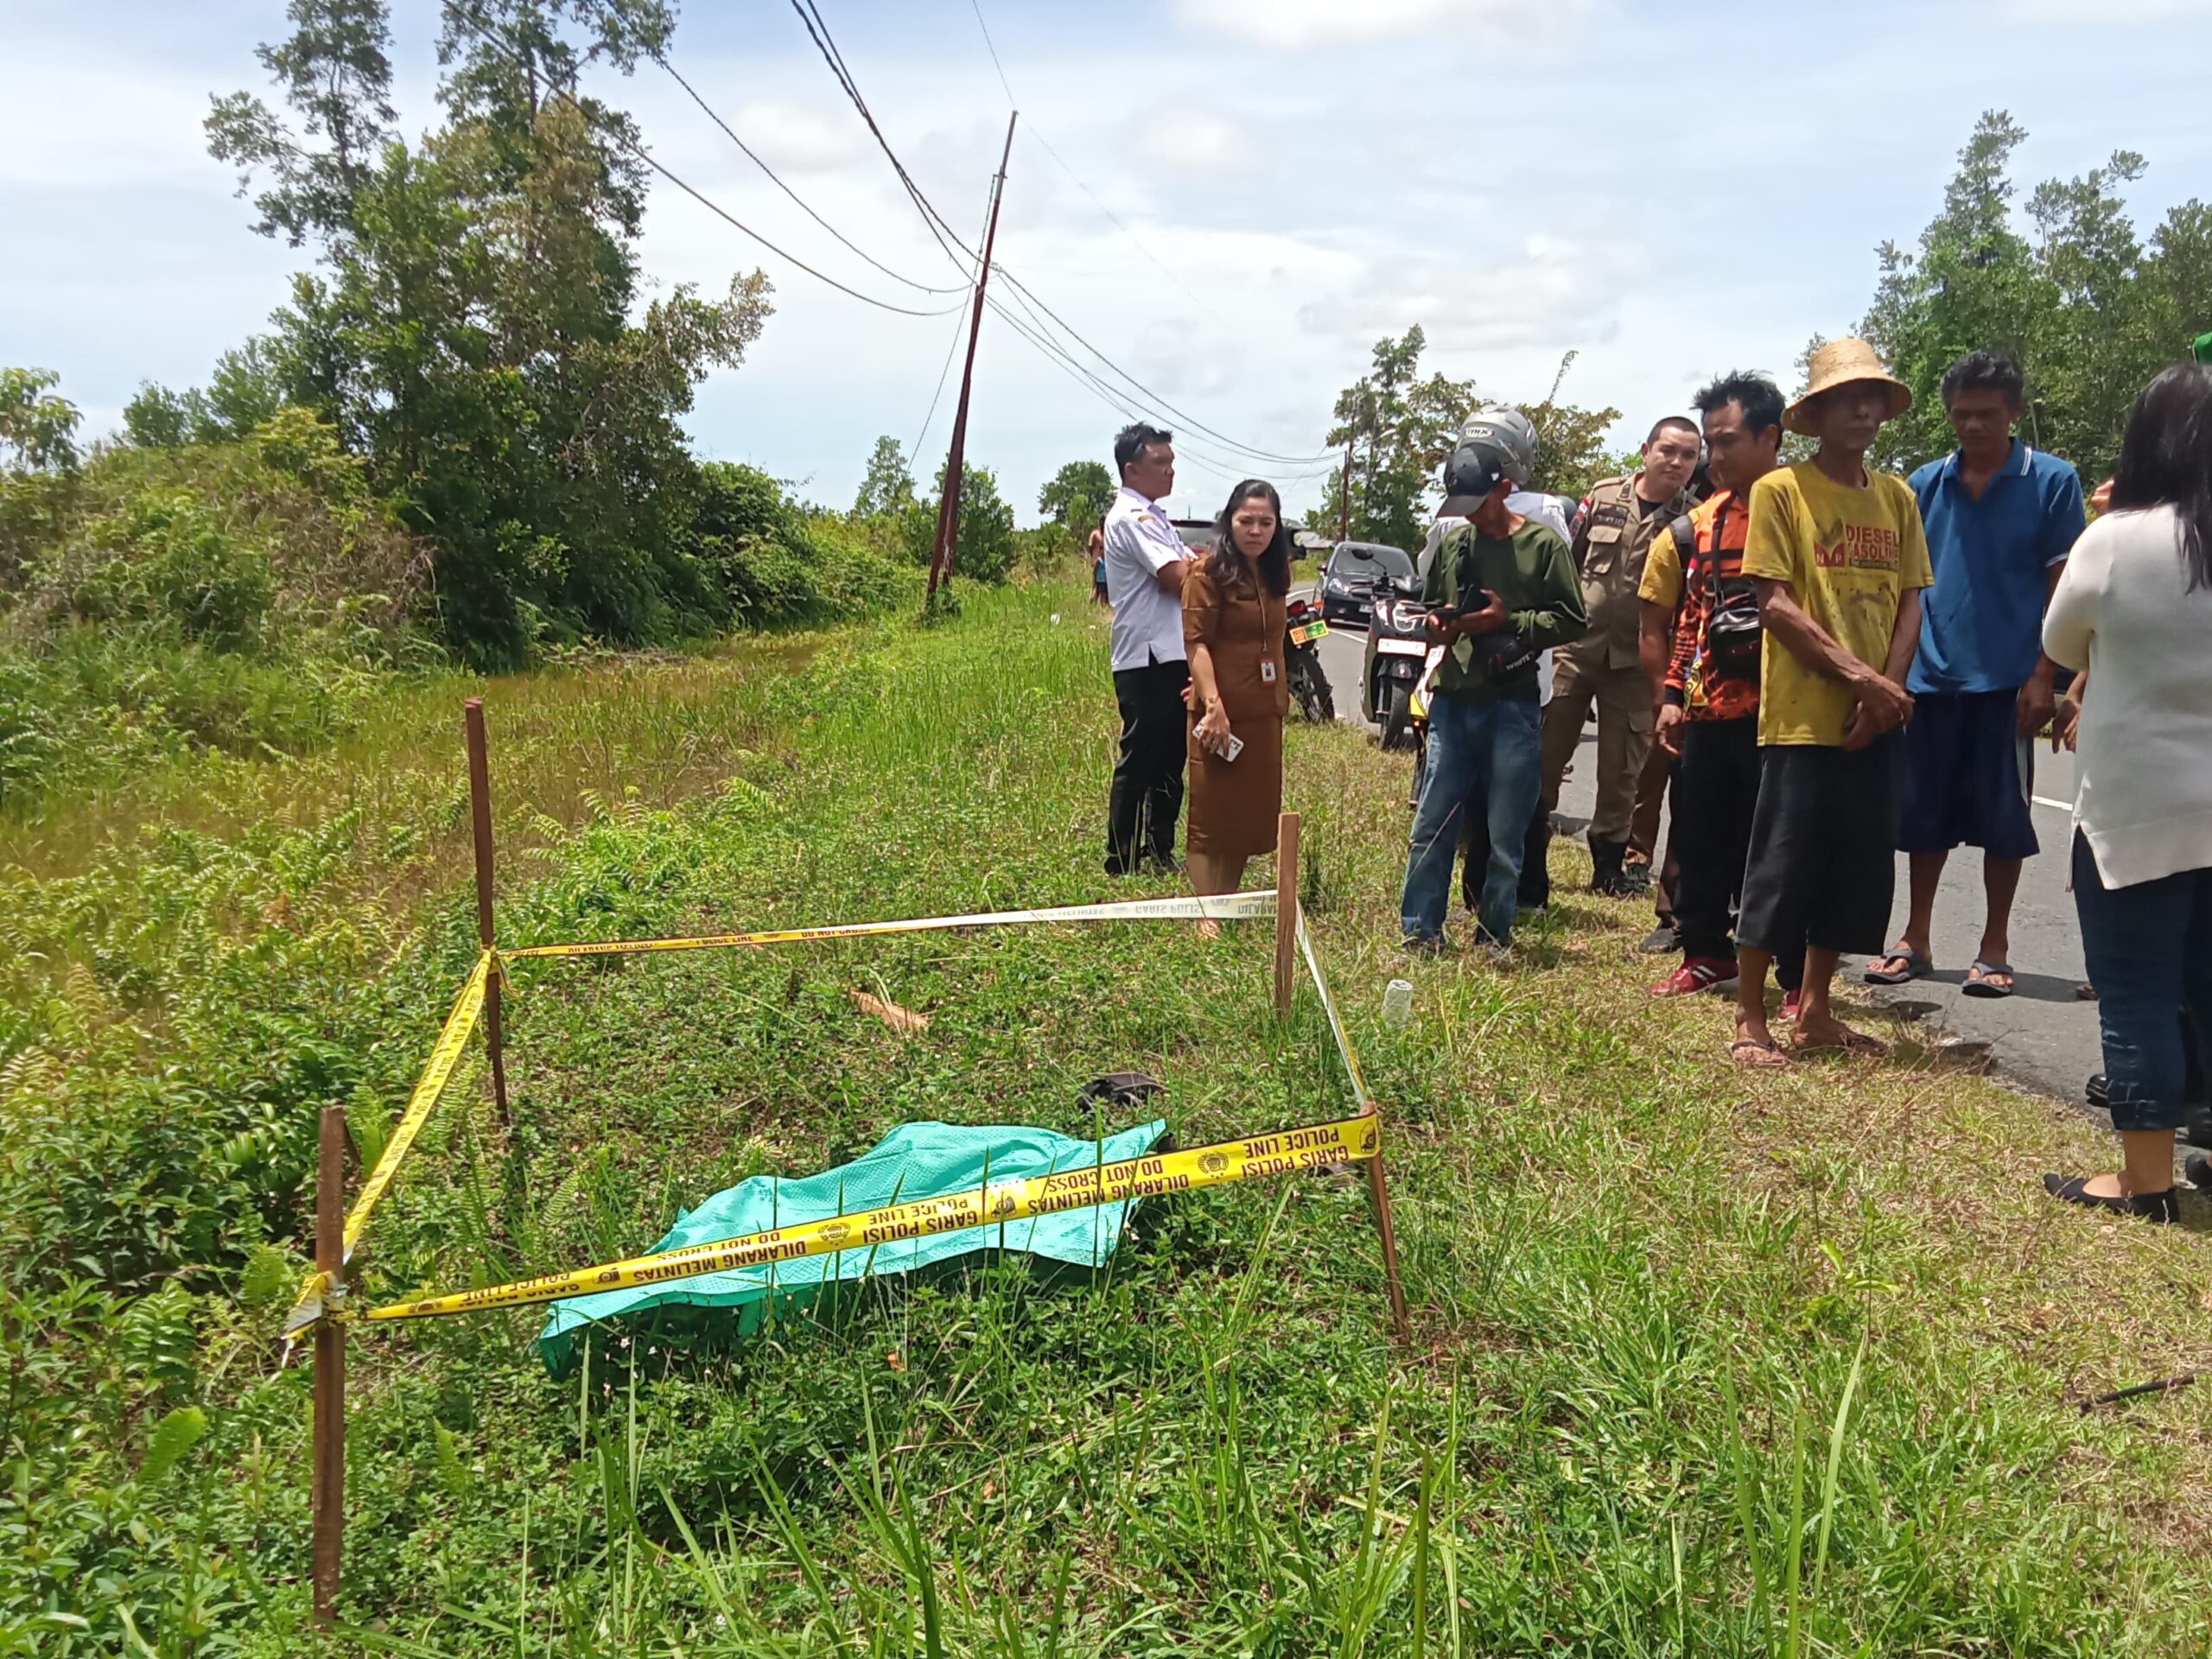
(916, 1161)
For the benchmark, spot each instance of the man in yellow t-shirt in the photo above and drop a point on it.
(1840, 559)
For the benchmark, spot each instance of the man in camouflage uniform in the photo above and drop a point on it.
(1620, 517)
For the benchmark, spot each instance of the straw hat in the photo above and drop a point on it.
(1838, 364)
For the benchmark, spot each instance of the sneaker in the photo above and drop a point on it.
(1428, 944)
(1698, 973)
(1661, 941)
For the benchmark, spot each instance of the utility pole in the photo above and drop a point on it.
(948, 506)
(1343, 500)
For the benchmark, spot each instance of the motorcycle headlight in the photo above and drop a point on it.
(1405, 616)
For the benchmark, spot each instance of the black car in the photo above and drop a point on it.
(1360, 573)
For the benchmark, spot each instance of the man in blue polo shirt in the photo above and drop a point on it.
(2001, 518)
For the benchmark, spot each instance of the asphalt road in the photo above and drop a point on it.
(2044, 1035)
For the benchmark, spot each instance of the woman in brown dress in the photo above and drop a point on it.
(1233, 631)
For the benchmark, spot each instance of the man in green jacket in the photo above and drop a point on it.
(1501, 591)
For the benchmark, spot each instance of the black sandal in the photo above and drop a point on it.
(2145, 1206)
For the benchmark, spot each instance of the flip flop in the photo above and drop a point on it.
(1852, 1042)
(1980, 980)
(1915, 967)
(1769, 1053)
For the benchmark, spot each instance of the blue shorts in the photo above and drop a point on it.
(1968, 776)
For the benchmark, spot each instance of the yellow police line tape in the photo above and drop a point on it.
(1336, 1023)
(309, 1305)
(444, 1055)
(1002, 1201)
(1234, 907)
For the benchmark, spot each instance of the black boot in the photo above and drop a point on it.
(1536, 866)
(1606, 874)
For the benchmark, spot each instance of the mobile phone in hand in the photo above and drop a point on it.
(1235, 747)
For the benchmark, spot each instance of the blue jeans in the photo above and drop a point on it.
(2148, 952)
(1484, 758)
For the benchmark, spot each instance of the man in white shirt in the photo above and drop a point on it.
(1145, 563)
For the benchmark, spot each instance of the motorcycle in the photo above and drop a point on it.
(1304, 627)
(1397, 654)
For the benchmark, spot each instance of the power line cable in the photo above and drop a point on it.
(959, 328)
(977, 8)
(1033, 131)
(818, 31)
(721, 212)
(775, 178)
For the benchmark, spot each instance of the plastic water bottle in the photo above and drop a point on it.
(1397, 1002)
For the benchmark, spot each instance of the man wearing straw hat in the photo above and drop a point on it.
(1840, 560)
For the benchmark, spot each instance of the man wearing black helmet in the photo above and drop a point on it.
(1500, 592)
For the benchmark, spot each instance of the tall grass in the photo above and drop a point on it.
(1697, 1370)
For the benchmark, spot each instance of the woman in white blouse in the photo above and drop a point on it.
(2134, 609)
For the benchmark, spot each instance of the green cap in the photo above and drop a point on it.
(2204, 347)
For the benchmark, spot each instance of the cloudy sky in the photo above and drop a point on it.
(1666, 190)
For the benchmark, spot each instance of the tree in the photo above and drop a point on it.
(38, 430)
(1398, 429)
(1571, 453)
(248, 388)
(1401, 429)
(335, 73)
(1077, 495)
(472, 329)
(985, 549)
(2089, 308)
(888, 484)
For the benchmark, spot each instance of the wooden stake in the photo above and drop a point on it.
(1286, 909)
(327, 1496)
(479, 807)
(1378, 1196)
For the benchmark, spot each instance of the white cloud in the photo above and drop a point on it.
(1296, 24)
(800, 138)
(1187, 142)
(72, 124)
(1550, 295)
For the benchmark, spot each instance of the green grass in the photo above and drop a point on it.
(1702, 1363)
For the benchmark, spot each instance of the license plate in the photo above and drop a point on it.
(1311, 631)
(1401, 648)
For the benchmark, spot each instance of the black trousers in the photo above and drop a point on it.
(1148, 792)
(1716, 791)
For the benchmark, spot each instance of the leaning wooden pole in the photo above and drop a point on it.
(479, 812)
(327, 1495)
(1378, 1196)
(1286, 909)
(948, 506)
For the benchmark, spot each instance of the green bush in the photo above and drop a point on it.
(239, 596)
(773, 564)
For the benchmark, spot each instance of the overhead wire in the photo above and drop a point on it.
(1034, 132)
(721, 212)
(818, 31)
(775, 178)
(958, 331)
(634, 147)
